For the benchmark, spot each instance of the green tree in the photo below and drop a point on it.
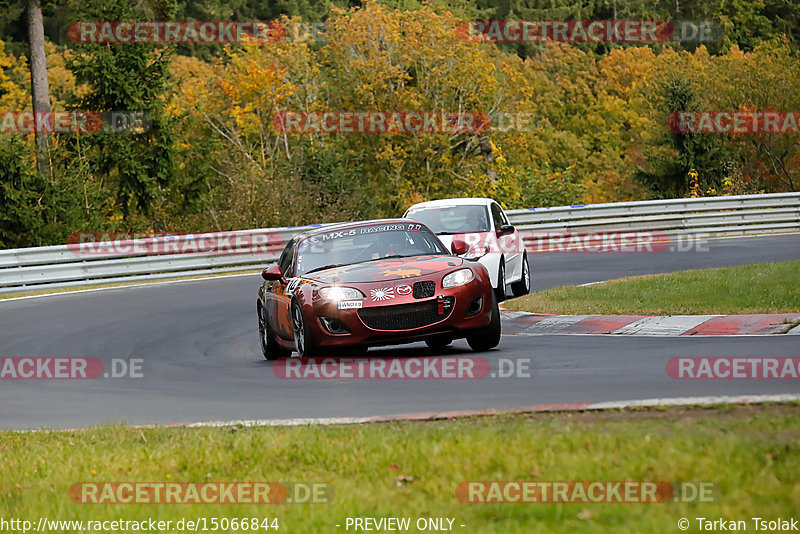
(666, 174)
(35, 211)
(137, 167)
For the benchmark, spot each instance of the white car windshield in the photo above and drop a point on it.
(360, 244)
(452, 219)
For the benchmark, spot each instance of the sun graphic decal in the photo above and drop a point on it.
(384, 293)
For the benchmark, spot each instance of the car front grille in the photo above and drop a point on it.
(407, 316)
(425, 289)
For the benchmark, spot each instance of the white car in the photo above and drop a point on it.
(483, 225)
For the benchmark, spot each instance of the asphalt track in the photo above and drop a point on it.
(201, 360)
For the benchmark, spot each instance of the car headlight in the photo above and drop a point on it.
(340, 293)
(476, 252)
(458, 278)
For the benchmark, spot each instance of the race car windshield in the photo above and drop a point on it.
(361, 244)
(452, 219)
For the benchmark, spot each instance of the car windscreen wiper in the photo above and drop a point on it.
(405, 255)
(331, 266)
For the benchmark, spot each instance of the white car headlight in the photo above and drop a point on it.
(340, 293)
(458, 278)
(476, 252)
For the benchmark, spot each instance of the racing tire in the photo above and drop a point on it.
(500, 290)
(523, 286)
(269, 347)
(303, 344)
(439, 342)
(489, 337)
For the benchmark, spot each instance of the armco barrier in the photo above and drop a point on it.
(62, 266)
(686, 217)
(43, 268)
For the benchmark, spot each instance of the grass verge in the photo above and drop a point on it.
(756, 288)
(411, 469)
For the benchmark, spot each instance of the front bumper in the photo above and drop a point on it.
(403, 319)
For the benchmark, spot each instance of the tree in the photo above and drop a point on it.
(765, 79)
(40, 88)
(129, 78)
(709, 155)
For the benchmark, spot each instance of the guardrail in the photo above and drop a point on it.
(686, 217)
(148, 259)
(90, 264)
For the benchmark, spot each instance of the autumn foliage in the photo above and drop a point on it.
(594, 128)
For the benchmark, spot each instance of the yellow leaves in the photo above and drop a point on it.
(239, 96)
(497, 153)
(394, 154)
(63, 84)
(414, 198)
(14, 94)
(227, 88)
(15, 80)
(392, 59)
(694, 184)
(250, 82)
(193, 77)
(625, 70)
(5, 61)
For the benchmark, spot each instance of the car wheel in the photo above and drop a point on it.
(523, 287)
(269, 347)
(500, 291)
(303, 344)
(489, 337)
(438, 342)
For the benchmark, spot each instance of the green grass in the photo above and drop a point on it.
(411, 469)
(757, 288)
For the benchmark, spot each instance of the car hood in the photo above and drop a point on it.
(386, 270)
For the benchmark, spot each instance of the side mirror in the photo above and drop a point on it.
(458, 247)
(273, 272)
(507, 229)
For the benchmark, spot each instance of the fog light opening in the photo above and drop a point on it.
(334, 325)
(474, 307)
